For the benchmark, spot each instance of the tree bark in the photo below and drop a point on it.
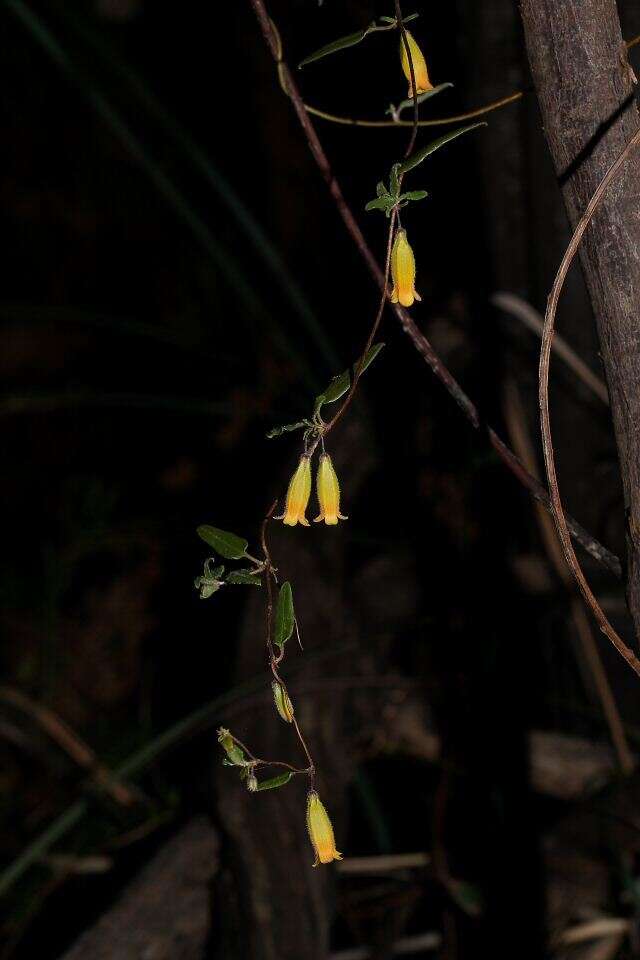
(585, 91)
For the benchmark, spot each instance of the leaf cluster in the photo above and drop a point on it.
(230, 547)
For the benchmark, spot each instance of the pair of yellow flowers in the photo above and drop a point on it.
(327, 488)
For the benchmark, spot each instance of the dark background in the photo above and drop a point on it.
(175, 282)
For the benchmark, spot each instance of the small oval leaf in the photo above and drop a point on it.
(285, 616)
(228, 545)
(422, 154)
(274, 782)
(337, 388)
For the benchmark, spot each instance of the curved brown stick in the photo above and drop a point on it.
(545, 424)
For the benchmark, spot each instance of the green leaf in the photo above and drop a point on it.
(341, 44)
(285, 617)
(387, 203)
(287, 428)
(274, 782)
(341, 384)
(228, 545)
(422, 154)
(412, 16)
(244, 577)
(206, 589)
(421, 99)
(381, 203)
(414, 195)
(381, 190)
(210, 582)
(235, 753)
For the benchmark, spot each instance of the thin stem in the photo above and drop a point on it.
(373, 331)
(258, 762)
(274, 659)
(439, 122)
(268, 579)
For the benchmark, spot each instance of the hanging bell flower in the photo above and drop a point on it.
(282, 701)
(423, 83)
(298, 495)
(320, 831)
(328, 490)
(403, 271)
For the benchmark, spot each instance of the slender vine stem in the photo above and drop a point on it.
(373, 331)
(399, 124)
(274, 659)
(258, 762)
(545, 421)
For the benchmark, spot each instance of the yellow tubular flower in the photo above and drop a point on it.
(403, 271)
(298, 495)
(328, 490)
(423, 84)
(282, 701)
(320, 831)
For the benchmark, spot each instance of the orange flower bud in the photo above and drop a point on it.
(282, 701)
